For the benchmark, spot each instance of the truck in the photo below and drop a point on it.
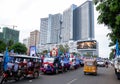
(116, 64)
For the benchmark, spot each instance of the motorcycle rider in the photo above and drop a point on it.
(10, 65)
(30, 64)
(16, 66)
(106, 64)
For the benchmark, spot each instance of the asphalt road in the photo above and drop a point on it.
(105, 76)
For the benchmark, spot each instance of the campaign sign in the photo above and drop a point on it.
(32, 51)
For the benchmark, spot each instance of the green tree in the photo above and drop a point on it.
(19, 48)
(2, 46)
(10, 43)
(62, 49)
(109, 15)
(112, 54)
(45, 51)
(66, 48)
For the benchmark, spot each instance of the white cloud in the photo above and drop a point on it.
(26, 15)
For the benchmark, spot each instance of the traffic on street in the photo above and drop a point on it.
(59, 42)
(104, 76)
(56, 69)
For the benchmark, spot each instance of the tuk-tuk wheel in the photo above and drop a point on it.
(118, 78)
(17, 79)
(36, 74)
(62, 70)
(3, 81)
(84, 73)
(65, 69)
(56, 71)
(95, 74)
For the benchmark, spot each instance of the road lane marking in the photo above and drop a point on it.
(72, 81)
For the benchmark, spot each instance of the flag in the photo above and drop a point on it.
(12, 51)
(59, 52)
(117, 48)
(6, 59)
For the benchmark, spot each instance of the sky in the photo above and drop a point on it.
(26, 14)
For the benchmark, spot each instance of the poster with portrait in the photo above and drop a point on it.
(32, 51)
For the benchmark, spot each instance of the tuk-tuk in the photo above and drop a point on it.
(90, 66)
(25, 61)
(18, 67)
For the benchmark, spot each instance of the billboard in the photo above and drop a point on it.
(87, 44)
(32, 50)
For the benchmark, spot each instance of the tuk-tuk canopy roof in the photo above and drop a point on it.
(25, 56)
(90, 60)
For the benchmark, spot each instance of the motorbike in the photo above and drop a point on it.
(106, 66)
(10, 75)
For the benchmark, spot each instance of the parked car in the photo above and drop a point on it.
(117, 67)
(101, 63)
(51, 65)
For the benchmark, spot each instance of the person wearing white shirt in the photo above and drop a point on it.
(10, 65)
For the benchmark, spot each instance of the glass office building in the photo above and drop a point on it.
(76, 23)
(67, 31)
(55, 27)
(43, 30)
(84, 30)
(50, 29)
(10, 34)
(1, 36)
(84, 21)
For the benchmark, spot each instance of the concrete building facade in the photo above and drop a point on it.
(34, 38)
(26, 41)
